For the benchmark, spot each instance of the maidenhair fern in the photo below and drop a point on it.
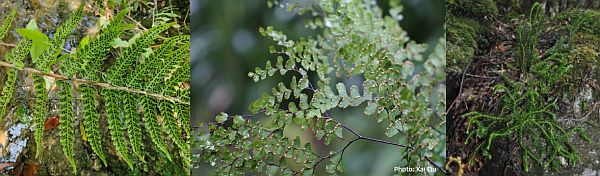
(403, 88)
(115, 90)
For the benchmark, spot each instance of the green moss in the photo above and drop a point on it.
(473, 8)
(584, 58)
(590, 23)
(462, 42)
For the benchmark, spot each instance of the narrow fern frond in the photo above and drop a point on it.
(172, 128)
(92, 55)
(134, 129)
(170, 65)
(49, 55)
(16, 57)
(7, 90)
(183, 114)
(91, 120)
(7, 22)
(148, 68)
(151, 124)
(132, 53)
(117, 132)
(67, 121)
(39, 116)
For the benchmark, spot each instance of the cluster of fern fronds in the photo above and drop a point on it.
(137, 94)
(529, 107)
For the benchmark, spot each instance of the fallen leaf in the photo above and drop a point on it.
(29, 169)
(51, 123)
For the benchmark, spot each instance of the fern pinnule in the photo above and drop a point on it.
(91, 119)
(39, 116)
(67, 121)
(49, 55)
(151, 124)
(7, 22)
(132, 53)
(117, 132)
(134, 129)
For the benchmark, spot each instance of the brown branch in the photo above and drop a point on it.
(103, 85)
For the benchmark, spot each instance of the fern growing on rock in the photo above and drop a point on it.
(402, 88)
(116, 89)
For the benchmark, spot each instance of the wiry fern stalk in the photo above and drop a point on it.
(91, 119)
(49, 55)
(116, 127)
(7, 22)
(39, 116)
(67, 121)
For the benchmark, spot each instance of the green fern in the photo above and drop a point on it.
(128, 84)
(7, 22)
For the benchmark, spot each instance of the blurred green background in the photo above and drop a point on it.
(226, 45)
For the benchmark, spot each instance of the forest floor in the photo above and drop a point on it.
(471, 88)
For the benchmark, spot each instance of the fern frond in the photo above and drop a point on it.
(49, 55)
(172, 128)
(7, 22)
(67, 121)
(134, 129)
(117, 132)
(7, 90)
(145, 71)
(91, 56)
(16, 57)
(91, 119)
(132, 53)
(152, 126)
(170, 64)
(39, 116)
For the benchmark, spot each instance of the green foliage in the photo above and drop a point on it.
(402, 88)
(7, 22)
(462, 36)
(528, 36)
(478, 9)
(115, 90)
(67, 119)
(41, 97)
(529, 106)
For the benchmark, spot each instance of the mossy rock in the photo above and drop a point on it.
(477, 9)
(462, 42)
